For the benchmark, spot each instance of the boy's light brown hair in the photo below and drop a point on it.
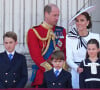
(58, 55)
(10, 34)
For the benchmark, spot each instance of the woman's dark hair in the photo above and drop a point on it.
(93, 41)
(88, 17)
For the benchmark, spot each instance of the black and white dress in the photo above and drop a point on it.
(90, 77)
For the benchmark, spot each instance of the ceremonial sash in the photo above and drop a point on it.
(59, 33)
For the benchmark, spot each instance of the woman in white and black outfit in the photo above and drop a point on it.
(76, 43)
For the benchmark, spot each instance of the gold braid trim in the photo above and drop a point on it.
(39, 37)
(46, 65)
(50, 35)
(48, 43)
(47, 26)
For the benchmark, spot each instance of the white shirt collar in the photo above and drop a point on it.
(58, 70)
(10, 52)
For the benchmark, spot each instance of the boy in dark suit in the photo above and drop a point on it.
(13, 68)
(57, 77)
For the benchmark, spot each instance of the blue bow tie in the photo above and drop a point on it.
(81, 41)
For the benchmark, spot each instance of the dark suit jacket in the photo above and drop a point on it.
(62, 81)
(13, 74)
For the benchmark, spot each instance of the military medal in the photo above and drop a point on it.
(59, 43)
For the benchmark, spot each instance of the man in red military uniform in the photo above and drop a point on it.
(42, 40)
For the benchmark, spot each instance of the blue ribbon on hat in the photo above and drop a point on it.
(81, 41)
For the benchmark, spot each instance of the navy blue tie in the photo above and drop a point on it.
(10, 56)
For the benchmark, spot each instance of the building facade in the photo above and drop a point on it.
(20, 15)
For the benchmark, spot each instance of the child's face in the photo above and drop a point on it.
(92, 50)
(57, 63)
(9, 44)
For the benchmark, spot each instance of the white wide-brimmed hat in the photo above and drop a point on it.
(88, 9)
